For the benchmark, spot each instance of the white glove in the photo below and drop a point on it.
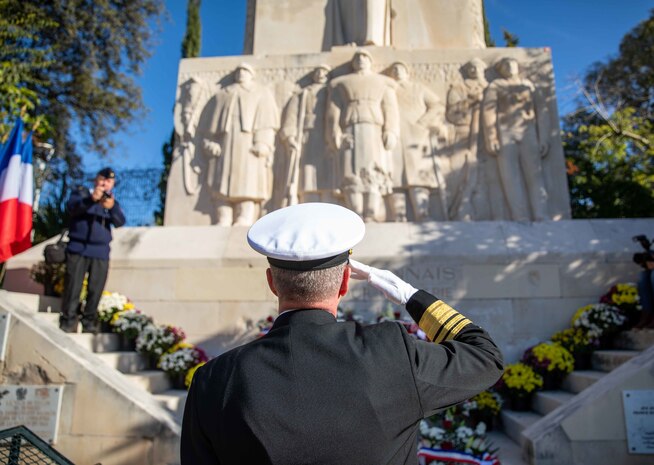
(393, 288)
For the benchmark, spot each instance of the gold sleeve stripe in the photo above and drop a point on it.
(434, 316)
(452, 328)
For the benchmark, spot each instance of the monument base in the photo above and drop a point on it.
(520, 281)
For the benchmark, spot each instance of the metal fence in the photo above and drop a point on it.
(19, 446)
(137, 190)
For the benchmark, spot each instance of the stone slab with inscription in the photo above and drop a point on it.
(35, 406)
(639, 419)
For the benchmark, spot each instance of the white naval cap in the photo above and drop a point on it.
(308, 236)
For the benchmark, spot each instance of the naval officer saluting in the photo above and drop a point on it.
(317, 391)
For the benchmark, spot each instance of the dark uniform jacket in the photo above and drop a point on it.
(90, 225)
(317, 391)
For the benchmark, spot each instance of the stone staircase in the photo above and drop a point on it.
(106, 346)
(625, 347)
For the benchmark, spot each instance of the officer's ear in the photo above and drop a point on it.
(345, 282)
(271, 284)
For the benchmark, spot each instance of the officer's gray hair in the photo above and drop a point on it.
(308, 286)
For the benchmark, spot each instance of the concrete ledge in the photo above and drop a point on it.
(520, 281)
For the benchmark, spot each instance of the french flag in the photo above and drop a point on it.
(16, 193)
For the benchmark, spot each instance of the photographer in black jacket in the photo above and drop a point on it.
(92, 213)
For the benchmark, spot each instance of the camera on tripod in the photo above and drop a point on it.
(641, 258)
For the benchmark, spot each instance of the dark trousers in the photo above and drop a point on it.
(76, 267)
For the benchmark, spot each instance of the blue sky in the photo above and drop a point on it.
(579, 32)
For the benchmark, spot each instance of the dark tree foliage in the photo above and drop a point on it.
(609, 138)
(68, 67)
(511, 40)
(190, 49)
(487, 35)
(628, 78)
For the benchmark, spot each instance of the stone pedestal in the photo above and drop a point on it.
(520, 281)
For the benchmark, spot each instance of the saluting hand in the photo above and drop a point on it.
(394, 289)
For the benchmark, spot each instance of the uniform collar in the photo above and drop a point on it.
(304, 316)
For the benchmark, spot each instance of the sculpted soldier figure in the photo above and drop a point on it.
(463, 111)
(240, 148)
(311, 168)
(515, 132)
(421, 116)
(363, 121)
(186, 116)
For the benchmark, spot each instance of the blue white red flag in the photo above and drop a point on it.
(16, 193)
(426, 456)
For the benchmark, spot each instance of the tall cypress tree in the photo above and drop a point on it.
(487, 36)
(190, 49)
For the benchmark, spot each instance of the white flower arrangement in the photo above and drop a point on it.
(180, 358)
(130, 322)
(155, 340)
(110, 303)
(598, 319)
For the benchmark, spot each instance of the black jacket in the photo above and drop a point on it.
(90, 225)
(316, 391)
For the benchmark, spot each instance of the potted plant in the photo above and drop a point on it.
(550, 360)
(625, 297)
(518, 384)
(111, 303)
(600, 321)
(178, 360)
(155, 340)
(51, 276)
(578, 343)
(484, 408)
(128, 324)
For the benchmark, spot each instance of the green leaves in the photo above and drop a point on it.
(609, 139)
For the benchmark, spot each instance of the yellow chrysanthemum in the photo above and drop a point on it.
(116, 315)
(521, 377)
(190, 373)
(580, 312)
(129, 306)
(560, 359)
(487, 401)
(180, 345)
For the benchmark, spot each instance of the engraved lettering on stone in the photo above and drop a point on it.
(239, 148)
(363, 124)
(516, 134)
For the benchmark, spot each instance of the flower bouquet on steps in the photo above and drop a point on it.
(625, 297)
(178, 360)
(128, 324)
(550, 360)
(156, 340)
(600, 321)
(518, 384)
(110, 304)
(579, 344)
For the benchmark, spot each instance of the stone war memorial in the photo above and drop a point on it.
(451, 153)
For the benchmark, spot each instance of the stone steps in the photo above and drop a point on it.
(579, 380)
(173, 400)
(626, 345)
(514, 423)
(107, 347)
(609, 360)
(509, 452)
(545, 402)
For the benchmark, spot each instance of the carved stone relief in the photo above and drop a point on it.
(239, 147)
(376, 137)
(416, 169)
(363, 126)
(514, 118)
